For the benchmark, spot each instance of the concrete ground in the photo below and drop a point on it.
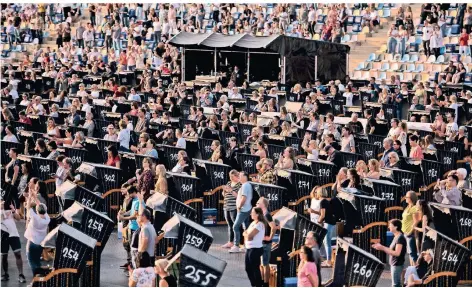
(114, 256)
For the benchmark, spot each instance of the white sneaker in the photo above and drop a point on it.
(235, 249)
(227, 245)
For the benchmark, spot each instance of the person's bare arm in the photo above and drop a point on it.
(251, 234)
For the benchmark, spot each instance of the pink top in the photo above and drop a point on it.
(308, 269)
(416, 153)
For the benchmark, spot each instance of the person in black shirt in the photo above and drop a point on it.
(396, 251)
(371, 122)
(415, 275)
(355, 125)
(334, 157)
(12, 174)
(274, 125)
(232, 154)
(126, 206)
(40, 149)
(327, 220)
(270, 229)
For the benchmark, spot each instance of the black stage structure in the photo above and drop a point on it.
(262, 57)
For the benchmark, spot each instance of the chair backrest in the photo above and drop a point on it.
(455, 29)
(394, 66)
(388, 57)
(420, 67)
(371, 57)
(431, 59)
(411, 67)
(440, 59)
(385, 66)
(406, 57)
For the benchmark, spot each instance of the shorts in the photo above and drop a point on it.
(13, 242)
(266, 248)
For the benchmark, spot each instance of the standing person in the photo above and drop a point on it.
(427, 31)
(396, 251)
(408, 224)
(13, 242)
(143, 275)
(436, 41)
(79, 35)
(147, 236)
(254, 236)
(130, 215)
(126, 206)
(166, 279)
(270, 229)
(230, 192)
(243, 206)
(307, 274)
(36, 231)
(312, 242)
(328, 221)
(13, 167)
(392, 39)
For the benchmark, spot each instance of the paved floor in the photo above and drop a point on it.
(114, 255)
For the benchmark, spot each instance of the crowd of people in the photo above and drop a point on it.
(152, 102)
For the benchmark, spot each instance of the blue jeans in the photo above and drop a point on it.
(396, 275)
(33, 254)
(402, 47)
(329, 236)
(230, 217)
(411, 247)
(242, 217)
(392, 44)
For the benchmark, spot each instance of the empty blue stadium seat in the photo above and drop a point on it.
(455, 29)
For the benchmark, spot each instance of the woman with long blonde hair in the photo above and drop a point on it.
(161, 183)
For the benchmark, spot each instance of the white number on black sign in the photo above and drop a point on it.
(369, 153)
(246, 132)
(304, 233)
(109, 178)
(208, 149)
(248, 163)
(447, 160)
(76, 159)
(69, 253)
(87, 202)
(187, 188)
(218, 175)
(370, 208)
(302, 184)
(193, 240)
(378, 143)
(173, 157)
(432, 173)
(387, 196)
(454, 149)
(2, 192)
(276, 155)
(465, 222)
(362, 271)
(350, 164)
(323, 172)
(44, 168)
(451, 257)
(406, 181)
(95, 225)
(272, 197)
(196, 274)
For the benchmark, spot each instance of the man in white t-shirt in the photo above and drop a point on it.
(451, 127)
(180, 140)
(311, 14)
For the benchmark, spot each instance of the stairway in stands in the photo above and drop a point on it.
(360, 52)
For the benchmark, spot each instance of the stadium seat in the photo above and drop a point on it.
(375, 66)
(455, 30)
(382, 49)
(413, 58)
(406, 58)
(346, 38)
(358, 19)
(449, 20)
(440, 59)
(468, 78)
(397, 58)
(386, 13)
(356, 28)
(350, 20)
(365, 30)
(422, 58)
(388, 58)
(410, 68)
(356, 13)
(408, 77)
(395, 67)
(371, 57)
(316, 36)
(360, 66)
(357, 75)
(452, 13)
(431, 59)
(380, 57)
(321, 19)
(382, 76)
(419, 68)
(419, 29)
(385, 67)
(467, 60)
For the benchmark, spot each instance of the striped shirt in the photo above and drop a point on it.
(230, 199)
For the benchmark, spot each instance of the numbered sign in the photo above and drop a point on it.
(72, 247)
(183, 187)
(188, 232)
(204, 145)
(448, 159)
(225, 136)
(452, 221)
(171, 155)
(90, 221)
(275, 152)
(245, 131)
(406, 179)
(138, 158)
(9, 194)
(197, 268)
(42, 167)
(215, 174)
(386, 190)
(69, 192)
(77, 156)
(300, 224)
(455, 147)
(432, 170)
(164, 207)
(350, 159)
(104, 176)
(355, 267)
(275, 194)
(368, 151)
(449, 255)
(377, 141)
(323, 171)
(248, 162)
(295, 143)
(184, 111)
